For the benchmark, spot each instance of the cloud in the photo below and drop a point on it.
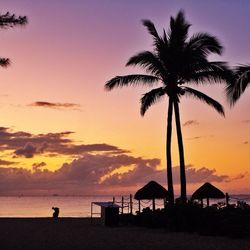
(245, 142)
(190, 123)
(193, 175)
(28, 150)
(203, 174)
(195, 138)
(81, 176)
(7, 163)
(38, 165)
(24, 144)
(96, 168)
(239, 176)
(55, 105)
(246, 121)
(97, 174)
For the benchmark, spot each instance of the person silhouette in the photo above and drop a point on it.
(56, 212)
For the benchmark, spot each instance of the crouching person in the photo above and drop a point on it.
(56, 212)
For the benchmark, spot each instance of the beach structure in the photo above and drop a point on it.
(109, 213)
(207, 191)
(151, 191)
(125, 202)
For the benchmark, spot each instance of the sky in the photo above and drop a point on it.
(61, 132)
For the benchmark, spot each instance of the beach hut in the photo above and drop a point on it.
(151, 191)
(109, 213)
(207, 191)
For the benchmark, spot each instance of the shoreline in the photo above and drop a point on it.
(79, 233)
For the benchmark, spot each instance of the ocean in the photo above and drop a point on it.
(41, 206)
(72, 206)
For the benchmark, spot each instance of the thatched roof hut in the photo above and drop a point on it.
(207, 191)
(151, 191)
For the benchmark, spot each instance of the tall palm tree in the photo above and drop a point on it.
(8, 20)
(175, 61)
(241, 81)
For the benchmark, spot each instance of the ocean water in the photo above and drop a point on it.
(41, 206)
(73, 206)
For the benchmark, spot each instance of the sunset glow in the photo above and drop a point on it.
(61, 132)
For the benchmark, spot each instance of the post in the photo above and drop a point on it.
(131, 204)
(91, 212)
(153, 204)
(202, 203)
(227, 199)
(207, 201)
(113, 199)
(122, 203)
(139, 204)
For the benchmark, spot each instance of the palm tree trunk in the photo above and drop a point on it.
(168, 152)
(181, 152)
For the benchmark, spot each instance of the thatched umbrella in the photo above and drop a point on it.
(207, 191)
(151, 191)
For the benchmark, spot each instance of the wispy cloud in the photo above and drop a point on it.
(38, 165)
(238, 177)
(55, 105)
(246, 121)
(195, 138)
(24, 144)
(7, 163)
(190, 123)
(245, 142)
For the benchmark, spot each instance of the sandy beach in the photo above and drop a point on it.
(69, 233)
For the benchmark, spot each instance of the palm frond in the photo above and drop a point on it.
(150, 62)
(151, 28)
(208, 72)
(4, 62)
(150, 98)
(204, 44)
(178, 30)
(159, 42)
(242, 79)
(203, 97)
(127, 80)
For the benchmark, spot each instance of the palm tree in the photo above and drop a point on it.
(174, 62)
(8, 21)
(241, 81)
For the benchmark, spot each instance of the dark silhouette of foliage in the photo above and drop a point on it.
(8, 20)
(237, 87)
(175, 61)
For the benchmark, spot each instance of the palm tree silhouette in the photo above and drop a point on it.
(8, 20)
(174, 62)
(241, 81)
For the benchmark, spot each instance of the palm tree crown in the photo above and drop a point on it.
(175, 62)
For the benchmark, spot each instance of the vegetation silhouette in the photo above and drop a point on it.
(8, 20)
(237, 87)
(175, 61)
